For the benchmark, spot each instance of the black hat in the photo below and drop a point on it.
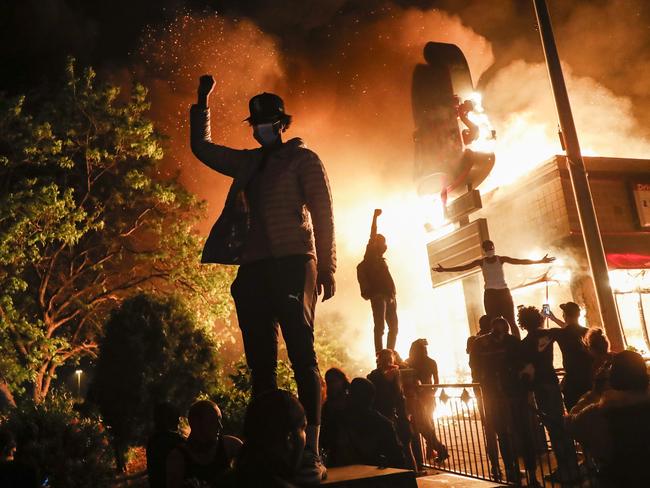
(265, 108)
(570, 308)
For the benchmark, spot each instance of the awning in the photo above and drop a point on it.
(628, 261)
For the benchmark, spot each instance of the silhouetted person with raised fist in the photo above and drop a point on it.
(496, 298)
(377, 285)
(277, 224)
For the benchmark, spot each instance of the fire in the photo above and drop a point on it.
(486, 140)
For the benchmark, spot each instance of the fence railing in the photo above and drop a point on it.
(498, 439)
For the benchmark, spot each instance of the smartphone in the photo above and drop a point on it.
(546, 310)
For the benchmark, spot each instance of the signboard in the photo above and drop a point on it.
(641, 193)
(460, 247)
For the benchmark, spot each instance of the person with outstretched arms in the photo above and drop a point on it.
(496, 297)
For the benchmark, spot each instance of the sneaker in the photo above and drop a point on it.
(312, 470)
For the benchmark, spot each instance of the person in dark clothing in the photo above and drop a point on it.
(274, 440)
(497, 298)
(377, 285)
(389, 399)
(614, 427)
(426, 372)
(576, 359)
(366, 436)
(537, 350)
(484, 327)
(12, 473)
(338, 387)
(207, 454)
(278, 226)
(496, 362)
(162, 441)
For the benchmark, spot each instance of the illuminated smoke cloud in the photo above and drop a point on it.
(348, 88)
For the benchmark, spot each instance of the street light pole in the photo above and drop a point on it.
(579, 182)
(78, 373)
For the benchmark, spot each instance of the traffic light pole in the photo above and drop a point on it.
(579, 182)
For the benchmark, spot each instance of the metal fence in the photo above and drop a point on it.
(502, 441)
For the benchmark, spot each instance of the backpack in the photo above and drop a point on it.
(362, 278)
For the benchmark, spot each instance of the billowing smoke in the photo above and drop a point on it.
(350, 98)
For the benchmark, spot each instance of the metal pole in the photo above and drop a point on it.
(579, 182)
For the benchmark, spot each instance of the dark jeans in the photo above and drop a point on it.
(573, 389)
(384, 311)
(551, 412)
(498, 303)
(508, 420)
(280, 291)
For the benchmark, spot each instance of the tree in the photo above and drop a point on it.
(153, 351)
(86, 221)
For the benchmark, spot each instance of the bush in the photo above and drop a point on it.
(66, 449)
(233, 397)
(153, 351)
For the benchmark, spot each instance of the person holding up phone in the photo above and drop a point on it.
(496, 298)
(576, 359)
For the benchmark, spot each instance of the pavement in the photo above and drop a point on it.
(449, 480)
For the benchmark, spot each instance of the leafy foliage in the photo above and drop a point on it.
(86, 221)
(233, 395)
(68, 450)
(152, 351)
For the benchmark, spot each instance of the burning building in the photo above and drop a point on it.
(535, 215)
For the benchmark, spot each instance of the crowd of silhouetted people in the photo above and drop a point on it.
(374, 420)
(599, 400)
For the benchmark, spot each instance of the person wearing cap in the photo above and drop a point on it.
(277, 225)
(576, 359)
(496, 298)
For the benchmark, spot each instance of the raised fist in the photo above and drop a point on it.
(206, 85)
(377, 212)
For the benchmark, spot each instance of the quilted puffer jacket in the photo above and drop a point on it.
(296, 198)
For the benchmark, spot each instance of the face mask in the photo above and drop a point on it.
(489, 253)
(265, 134)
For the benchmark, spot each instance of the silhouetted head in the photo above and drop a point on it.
(418, 349)
(165, 417)
(629, 372)
(484, 324)
(488, 248)
(385, 358)
(274, 431)
(7, 444)
(268, 118)
(337, 382)
(529, 318)
(570, 312)
(500, 327)
(362, 394)
(204, 418)
(596, 341)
